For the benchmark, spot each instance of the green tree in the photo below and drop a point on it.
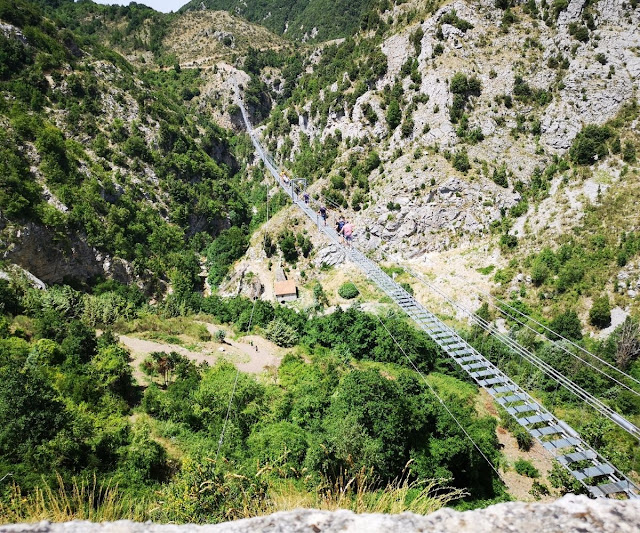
(281, 333)
(500, 176)
(143, 459)
(112, 369)
(600, 312)
(287, 244)
(164, 364)
(407, 126)
(590, 145)
(394, 115)
(230, 245)
(30, 415)
(461, 161)
(629, 152)
(279, 444)
(566, 324)
(368, 424)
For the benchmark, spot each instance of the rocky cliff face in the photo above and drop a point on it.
(571, 513)
(54, 258)
(557, 75)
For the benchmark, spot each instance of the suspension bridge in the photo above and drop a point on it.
(596, 474)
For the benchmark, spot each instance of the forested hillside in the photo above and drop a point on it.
(108, 170)
(108, 159)
(316, 20)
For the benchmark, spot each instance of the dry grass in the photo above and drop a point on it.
(197, 38)
(83, 500)
(361, 493)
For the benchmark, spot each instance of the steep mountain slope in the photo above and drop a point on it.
(100, 161)
(493, 141)
(299, 19)
(479, 126)
(145, 37)
(205, 38)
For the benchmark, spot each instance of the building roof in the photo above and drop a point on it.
(284, 288)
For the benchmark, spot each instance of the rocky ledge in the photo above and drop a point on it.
(568, 514)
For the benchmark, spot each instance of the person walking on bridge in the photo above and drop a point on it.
(339, 225)
(323, 214)
(347, 231)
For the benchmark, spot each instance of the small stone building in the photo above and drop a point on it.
(286, 291)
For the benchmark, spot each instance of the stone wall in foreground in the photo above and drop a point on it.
(566, 515)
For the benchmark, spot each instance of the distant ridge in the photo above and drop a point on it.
(315, 20)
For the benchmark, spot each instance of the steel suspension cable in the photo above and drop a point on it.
(563, 348)
(554, 374)
(233, 391)
(619, 483)
(226, 419)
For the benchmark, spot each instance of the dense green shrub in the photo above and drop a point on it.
(460, 161)
(590, 144)
(407, 287)
(13, 56)
(523, 438)
(566, 324)
(281, 333)
(393, 115)
(230, 245)
(559, 6)
(508, 241)
(407, 127)
(539, 272)
(19, 192)
(600, 312)
(500, 176)
(348, 290)
(579, 32)
(526, 468)
(287, 244)
(462, 89)
(629, 152)
(452, 18)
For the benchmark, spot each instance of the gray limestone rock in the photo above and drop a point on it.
(45, 255)
(568, 514)
(571, 14)
(330, 255)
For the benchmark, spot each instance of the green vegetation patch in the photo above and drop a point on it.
(348, 290)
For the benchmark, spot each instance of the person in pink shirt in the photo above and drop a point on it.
(347, 231)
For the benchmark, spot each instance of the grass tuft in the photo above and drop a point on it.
(82, 500)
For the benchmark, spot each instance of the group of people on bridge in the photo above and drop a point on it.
(343, 227)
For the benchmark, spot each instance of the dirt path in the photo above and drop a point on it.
(252, 354)
(259, 352)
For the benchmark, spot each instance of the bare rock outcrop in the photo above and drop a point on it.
(331, 255)
(571, 513)
(53, 258)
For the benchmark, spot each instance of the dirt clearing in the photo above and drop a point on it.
(252, 354)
